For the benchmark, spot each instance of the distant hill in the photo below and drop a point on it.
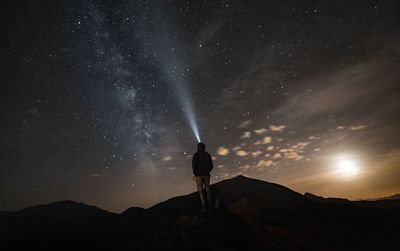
(323, 200)
(392, 197)
(390, 202)
(250, 215)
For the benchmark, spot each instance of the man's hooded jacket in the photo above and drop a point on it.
(202, 162)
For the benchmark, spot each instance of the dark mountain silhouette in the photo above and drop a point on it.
(249, 215)
(323, 200)
(390, 202)
(392, 197)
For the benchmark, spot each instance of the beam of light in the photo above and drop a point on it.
(183, 96)
(165, 47)
(193, 125)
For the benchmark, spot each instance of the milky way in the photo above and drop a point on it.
(101, 101)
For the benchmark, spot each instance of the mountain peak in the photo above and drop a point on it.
(248, 214)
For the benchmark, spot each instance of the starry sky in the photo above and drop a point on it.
(100, 99)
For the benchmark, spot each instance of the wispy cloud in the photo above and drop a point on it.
(223, 151)
(292, 155)
(167, 158)
(241, 153)
(244, 168)
(265, 163)
(261, 131)
(301, 145)
(246, 135)
(256, 153)
(245, 124)
(236, 148)
(360, 127)
(277, 156)
(277, 128)
(265, 140)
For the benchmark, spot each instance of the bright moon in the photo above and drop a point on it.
(347, 168)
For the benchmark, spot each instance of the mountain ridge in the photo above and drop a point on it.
(249, 214)
(239, 177)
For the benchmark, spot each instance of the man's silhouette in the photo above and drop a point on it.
(202, 166)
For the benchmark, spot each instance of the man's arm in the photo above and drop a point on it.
(194, 164)
(211, 163)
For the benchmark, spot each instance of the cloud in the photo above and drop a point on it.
(241, 153)
(223, 151)
(301, 145)
(267, 155)
(343, 83)
(265, 140)
(244, 168)
(167, 158)
(314, 137)
(277, 128)
(221, 166)
(236, 148)
(261, 131)
(277, 155)
(317, 149)
(265, 163)
(292, 155)
(245, 124)
(246, 135)
(344, 92)
(355, 128)
(213, 158)
(255, 154)
(270, 148)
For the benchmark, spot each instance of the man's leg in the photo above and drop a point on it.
(208, 191)
(199, 184)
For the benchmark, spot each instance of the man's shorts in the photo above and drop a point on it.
(200, 180)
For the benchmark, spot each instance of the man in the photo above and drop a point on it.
(202, 166)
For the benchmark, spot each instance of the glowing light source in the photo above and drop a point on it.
(347, 167)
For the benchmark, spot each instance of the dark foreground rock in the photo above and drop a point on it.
(249, 214)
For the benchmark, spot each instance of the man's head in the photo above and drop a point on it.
(201, 147)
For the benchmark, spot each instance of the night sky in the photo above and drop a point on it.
(100, 99)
